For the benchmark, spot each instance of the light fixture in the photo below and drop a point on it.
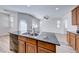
(46, 17)
(57, 8)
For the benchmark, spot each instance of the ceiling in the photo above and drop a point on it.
(40, 11)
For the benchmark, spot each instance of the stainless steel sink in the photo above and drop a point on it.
(35, 34)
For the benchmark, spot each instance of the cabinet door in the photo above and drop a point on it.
(21, 46)
(68, 37)
(72, 40)
(77, 43)
(78, 15)
(74, 17)
(30, 48)
(42, 50)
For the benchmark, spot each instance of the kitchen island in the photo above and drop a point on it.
(44, 42)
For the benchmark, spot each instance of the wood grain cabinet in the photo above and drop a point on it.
(43, 50)
(22, 43)
(77, 15)
(77, 43)
(46, 47)
(13, 42)
(30, 48)
(74, 16)
(68, 37)
(22, 46)
(29, 45)
(72, 40)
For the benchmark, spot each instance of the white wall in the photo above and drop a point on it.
(13, 21)
(51, 25)
(68, 22)
(4, 24)
(26, 19)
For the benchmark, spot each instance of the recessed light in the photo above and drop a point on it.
(57, 8)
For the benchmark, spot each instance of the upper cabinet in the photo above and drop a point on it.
(75, 14)
(78, 15)
(74, 17)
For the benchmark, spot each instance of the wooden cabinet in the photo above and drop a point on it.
(77, 15)
(29, 45)
(22, 43)
(13, 42)
(46, 46)
(72, 40)
(30, 48)
(68, 37)
(77, 43)
(74, 16)
(21, 46)
(43, 50)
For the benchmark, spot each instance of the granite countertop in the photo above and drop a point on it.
(44, 36)
(72, 31)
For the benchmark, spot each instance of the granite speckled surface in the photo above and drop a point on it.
(44, 36)
(73, 32)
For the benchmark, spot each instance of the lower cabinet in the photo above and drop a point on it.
(13, 42)
(29, 45)
(42, 50)
(30, 48)
(46, 46)
(21, 46)
(77, 43)
(72, 40)
(68, 34)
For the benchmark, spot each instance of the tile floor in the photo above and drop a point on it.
(64, 48)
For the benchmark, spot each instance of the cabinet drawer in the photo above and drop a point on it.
(48, 46)
(22, 38)
(32, 41)
(42, 50)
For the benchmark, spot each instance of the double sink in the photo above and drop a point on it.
(31, 34)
